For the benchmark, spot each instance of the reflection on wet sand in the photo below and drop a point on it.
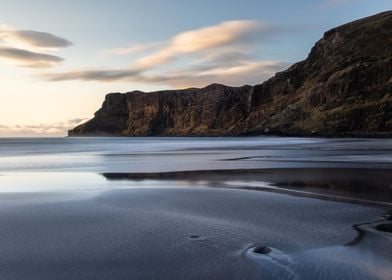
(360, 184)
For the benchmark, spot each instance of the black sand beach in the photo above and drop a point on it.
(244, 221)
(190, 233)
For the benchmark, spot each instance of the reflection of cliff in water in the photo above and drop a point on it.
(367, 184)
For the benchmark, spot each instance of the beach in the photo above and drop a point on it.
(250, 208)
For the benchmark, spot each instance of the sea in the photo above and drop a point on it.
(295, 163)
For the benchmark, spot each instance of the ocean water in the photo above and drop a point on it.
(195, 208)
(348, 168)
(128, 155)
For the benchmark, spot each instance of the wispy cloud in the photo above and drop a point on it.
(245, 72)
(31, 38)
(103, 75)
(29, 59)
(137, 48)
(26, 47)
(220, 53)
(51, 129)
(225, 34)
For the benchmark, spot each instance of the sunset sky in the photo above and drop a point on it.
(58, 59)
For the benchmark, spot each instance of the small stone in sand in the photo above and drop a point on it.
(262, 250)
(385, 227)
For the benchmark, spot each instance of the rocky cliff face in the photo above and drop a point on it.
(344, 87)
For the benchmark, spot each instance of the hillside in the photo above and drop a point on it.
(343, 87)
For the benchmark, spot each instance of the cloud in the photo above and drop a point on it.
(225, 34)
(222, 53)
(31, 38)
(53, 129)
(29, 59)
(25, 47)
(136, 48)
(93, 75)
(241, 73)
(201, 39)
(235, 75)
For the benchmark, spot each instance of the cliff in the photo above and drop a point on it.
(344, 87)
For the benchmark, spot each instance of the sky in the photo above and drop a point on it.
(58, 59)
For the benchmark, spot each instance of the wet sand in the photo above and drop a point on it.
(349, 184)
(195, 208)
(189, 233)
